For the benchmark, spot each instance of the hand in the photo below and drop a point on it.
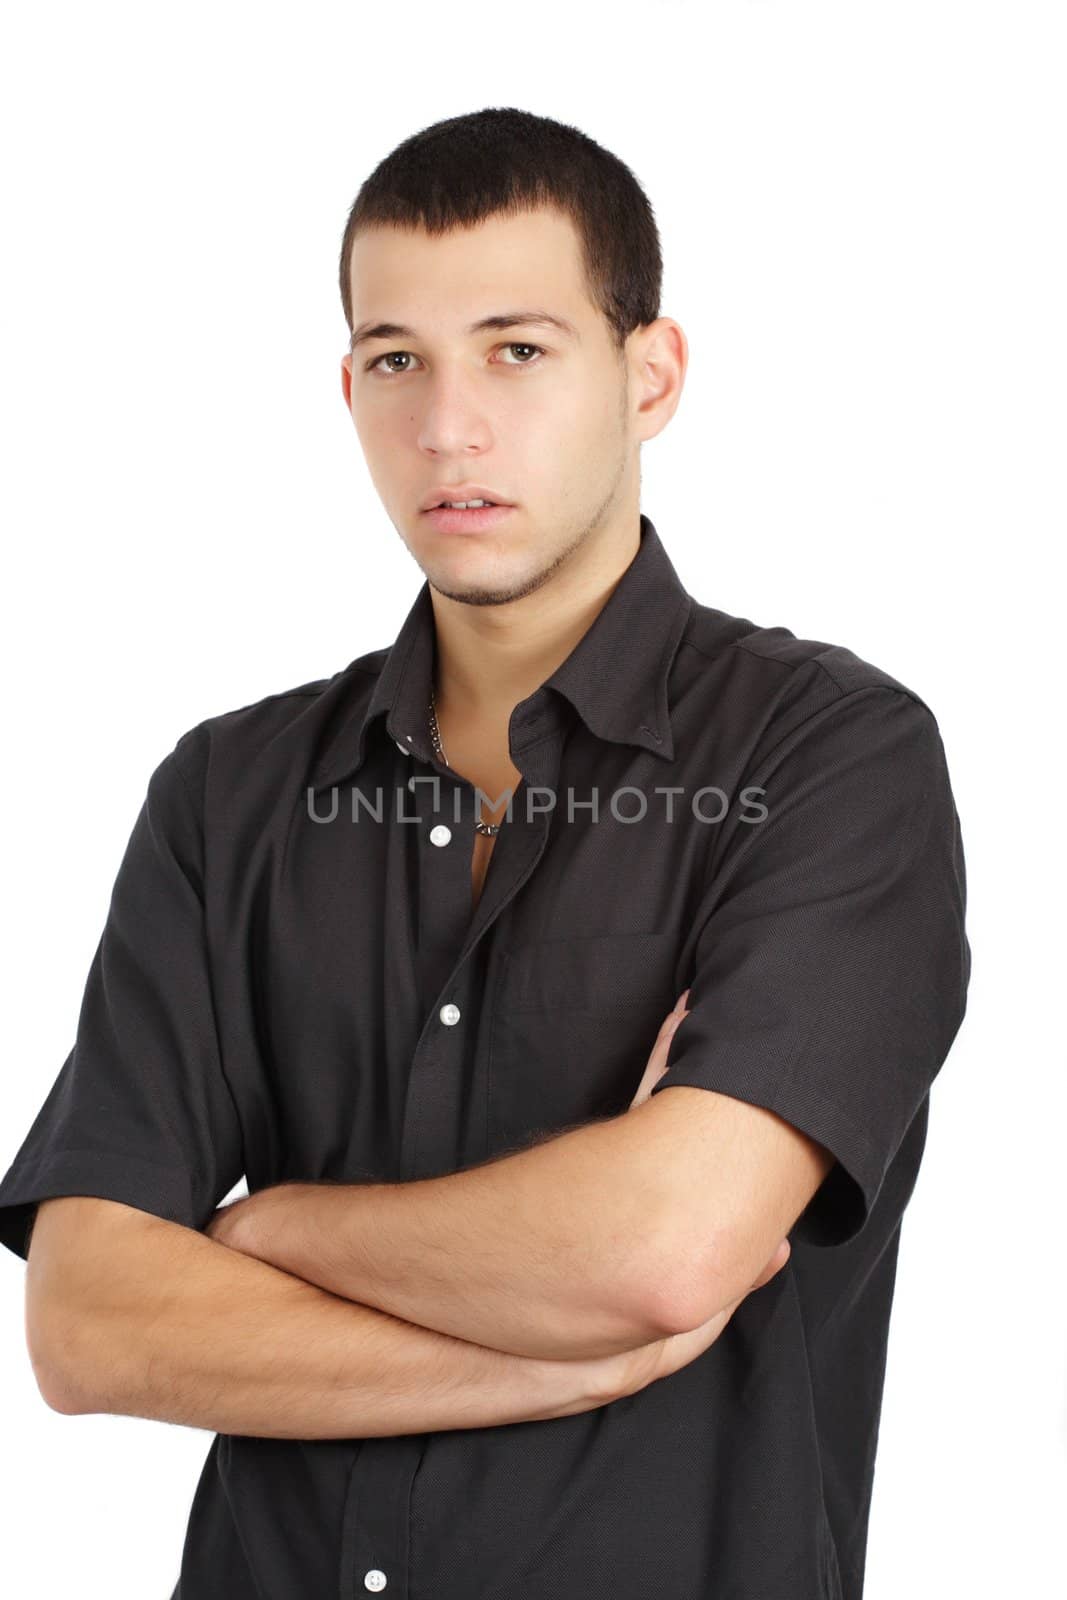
(256, 1223)
(663, 1356)
(657, 1061)
(229, 1224)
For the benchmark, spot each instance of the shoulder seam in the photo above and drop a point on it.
(735, 644)
(280, 694)
(895, 686)
(817, 660)
(739, 644)
(322, 684)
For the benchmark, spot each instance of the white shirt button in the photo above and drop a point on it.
(449, 1015)
(411, 781)
(440, 834)
(374, 1580)
(403, 747)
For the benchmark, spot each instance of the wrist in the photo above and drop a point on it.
(583, 1385)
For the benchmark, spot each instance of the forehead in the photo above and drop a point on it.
(409, 275)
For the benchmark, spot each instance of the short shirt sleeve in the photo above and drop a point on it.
(831, 969)
(140, 1111)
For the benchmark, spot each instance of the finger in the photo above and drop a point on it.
(667, 1029)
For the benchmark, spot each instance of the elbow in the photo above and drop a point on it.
(87, 1265)
(53, 1342)
(675, 1308)
(688, 1285)
(59, 1399)
(53, 1383)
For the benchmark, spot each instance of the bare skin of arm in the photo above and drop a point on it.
(534, 1254)
(130, 1314)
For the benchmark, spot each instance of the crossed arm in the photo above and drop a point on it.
(556, 1251)
(118, 1301)
(598, 1240)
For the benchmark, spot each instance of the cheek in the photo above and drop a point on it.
(377, 428)
(558, 422)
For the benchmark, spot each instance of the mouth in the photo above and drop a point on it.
(473, 520)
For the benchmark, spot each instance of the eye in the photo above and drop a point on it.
(536, 347)
(375, 364)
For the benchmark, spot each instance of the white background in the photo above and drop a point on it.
(861, 209)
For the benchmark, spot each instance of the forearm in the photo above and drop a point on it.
(548, 1252)
(177, 1327)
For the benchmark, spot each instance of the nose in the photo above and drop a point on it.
(453, 421)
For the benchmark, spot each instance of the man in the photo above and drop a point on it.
(421, 948)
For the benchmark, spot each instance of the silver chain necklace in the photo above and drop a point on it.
(439, 751)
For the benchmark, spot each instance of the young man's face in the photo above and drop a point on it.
(554, 429)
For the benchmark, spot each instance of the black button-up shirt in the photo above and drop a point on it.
(765, 819)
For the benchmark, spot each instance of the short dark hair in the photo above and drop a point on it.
(503, 160)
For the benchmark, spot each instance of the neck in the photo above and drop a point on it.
(489, 658)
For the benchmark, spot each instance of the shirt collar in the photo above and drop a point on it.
(615, 677)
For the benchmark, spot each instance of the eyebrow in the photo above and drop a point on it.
(503, 319)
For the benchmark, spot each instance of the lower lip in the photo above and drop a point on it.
(473, 521)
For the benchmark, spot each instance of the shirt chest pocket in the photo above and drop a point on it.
(573, 1024)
